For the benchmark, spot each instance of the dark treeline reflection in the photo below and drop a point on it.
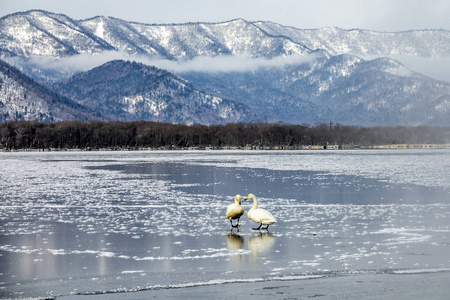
(133, 135)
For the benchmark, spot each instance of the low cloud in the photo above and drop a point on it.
(238, 63)
(72, 64)
(434, 67)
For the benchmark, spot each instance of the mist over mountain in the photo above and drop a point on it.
(342, 89)
(132, 91)
(22, 98)
(233, 71)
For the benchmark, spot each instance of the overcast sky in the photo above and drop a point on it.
(380, 15)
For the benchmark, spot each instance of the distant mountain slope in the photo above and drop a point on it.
(422, 43)
(132, 91)
(343, 89)
(186, 41)
(21, 98)
(41, 33)
(338, 80)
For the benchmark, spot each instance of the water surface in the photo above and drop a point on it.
(80, 223)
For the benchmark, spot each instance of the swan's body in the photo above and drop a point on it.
(235, 211)
(259, 215)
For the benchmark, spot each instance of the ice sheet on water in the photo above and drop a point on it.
(412, 167)
(203, 254)
(81, 179)
(200, 253)
(420, 271)
(337, 236)
(133, 271)
(269, 278)
(119, 212)
(211, 282)
(404, 235)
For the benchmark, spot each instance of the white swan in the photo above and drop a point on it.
(235, 211)
(259, 215)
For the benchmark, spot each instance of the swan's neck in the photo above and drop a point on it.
(255, 203)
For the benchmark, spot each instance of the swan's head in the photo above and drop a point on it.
(238, 198)
(250, 196)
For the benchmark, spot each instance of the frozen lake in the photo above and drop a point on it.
(81, 223)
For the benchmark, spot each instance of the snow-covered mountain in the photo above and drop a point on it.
(422, 43)
(343, 89)
(339, 82)
(41, 33)
(132, 91)
(21, 98)
(184, 42)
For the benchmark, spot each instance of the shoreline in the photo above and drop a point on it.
(432, 285)
(274, 148)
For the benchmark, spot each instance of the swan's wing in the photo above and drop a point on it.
(230, 208)
(234, 211)
(262, 216)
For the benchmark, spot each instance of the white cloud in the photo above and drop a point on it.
(436, 67)
(76, 63)
(239, 63)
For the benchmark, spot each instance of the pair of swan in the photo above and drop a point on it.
(259, 215)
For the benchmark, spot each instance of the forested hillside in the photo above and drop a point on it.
(131, 91)
(22, 98)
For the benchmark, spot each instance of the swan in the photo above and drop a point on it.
(235, 211)
(259, 215)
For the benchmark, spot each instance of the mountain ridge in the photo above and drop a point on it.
(288, 33)
(21, 98)
(319, 39)
(342, 89)
(345, 76)
(133, 91)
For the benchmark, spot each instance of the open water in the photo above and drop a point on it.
(82, 223)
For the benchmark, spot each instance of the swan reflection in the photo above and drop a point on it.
(235, 242)
(261, 243)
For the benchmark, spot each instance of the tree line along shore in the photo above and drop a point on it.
(19, 135)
